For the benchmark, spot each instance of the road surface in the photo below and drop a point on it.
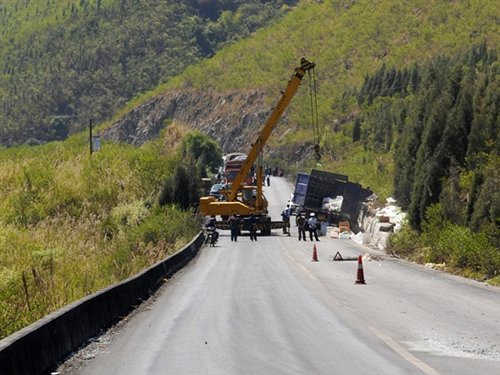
(265, 308)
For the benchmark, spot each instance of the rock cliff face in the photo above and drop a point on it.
(232, 118)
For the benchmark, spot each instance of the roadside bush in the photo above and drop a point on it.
(405, 243)
(12, 316)
(24, 199)
(59, 260)
(473, 254)
(129, 213)
(199, 146)
(464, 249)
(26, 275)
(158, 234)
(459, 247)
(167, 192)
(432, 228)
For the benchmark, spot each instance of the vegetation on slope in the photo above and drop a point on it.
(424, 124)
(65, 62)
(348, 40)
(442, 120)
(71, 224)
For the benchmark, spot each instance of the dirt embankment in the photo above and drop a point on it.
(233, 118)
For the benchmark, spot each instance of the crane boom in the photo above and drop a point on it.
(249, 200)
(264, 135)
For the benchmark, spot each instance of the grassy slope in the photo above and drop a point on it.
(70, 225)
(20, 19)
(368, 33)
(365, 34)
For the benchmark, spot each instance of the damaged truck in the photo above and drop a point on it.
(331, 196)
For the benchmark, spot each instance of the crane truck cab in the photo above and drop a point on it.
(244, 204)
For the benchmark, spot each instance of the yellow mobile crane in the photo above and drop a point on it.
(244, 200)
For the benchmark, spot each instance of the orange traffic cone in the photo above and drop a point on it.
(315, 254)
(361, 276)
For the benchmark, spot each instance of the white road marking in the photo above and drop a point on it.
(403, 352)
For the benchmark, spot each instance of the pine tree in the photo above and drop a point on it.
(182, 186)
(356, 131)
(459, 123)
(475, 188)
(487, 205)
(451, 196)
(406, 153)
(484, 132)
(430, 161)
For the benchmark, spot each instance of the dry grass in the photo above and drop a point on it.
(70, 226)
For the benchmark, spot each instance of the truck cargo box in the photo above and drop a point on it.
(321, 185)
(299, 195)
(311, 189)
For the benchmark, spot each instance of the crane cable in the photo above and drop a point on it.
(314, 113)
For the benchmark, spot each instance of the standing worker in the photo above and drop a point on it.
(252, 225)
(301, 225)
(312, 222)
(285, 216)
(234, 224)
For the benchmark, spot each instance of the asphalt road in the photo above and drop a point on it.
(265, 308)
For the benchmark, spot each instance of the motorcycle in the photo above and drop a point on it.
(211, 236)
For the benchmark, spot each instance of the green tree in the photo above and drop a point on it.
(182, 187)
(451, 198)
(197, 145)
(487, 205)
(406, 152)
(356, 131)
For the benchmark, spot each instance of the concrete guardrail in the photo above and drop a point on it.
(38, 348)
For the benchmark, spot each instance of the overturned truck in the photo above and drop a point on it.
(331, 196)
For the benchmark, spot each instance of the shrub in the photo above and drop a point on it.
(405, 243)
(167, 192)
(473, 254)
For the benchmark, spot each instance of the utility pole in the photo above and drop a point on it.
(90, 136)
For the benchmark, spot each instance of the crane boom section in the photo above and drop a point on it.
(287, 96)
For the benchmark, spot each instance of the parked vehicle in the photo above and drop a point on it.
(232, 168)
(231, 156)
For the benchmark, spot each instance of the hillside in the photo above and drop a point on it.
(348, 40)
(65, 62)
(408, 103)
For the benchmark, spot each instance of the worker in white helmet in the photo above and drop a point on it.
(313, 226)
